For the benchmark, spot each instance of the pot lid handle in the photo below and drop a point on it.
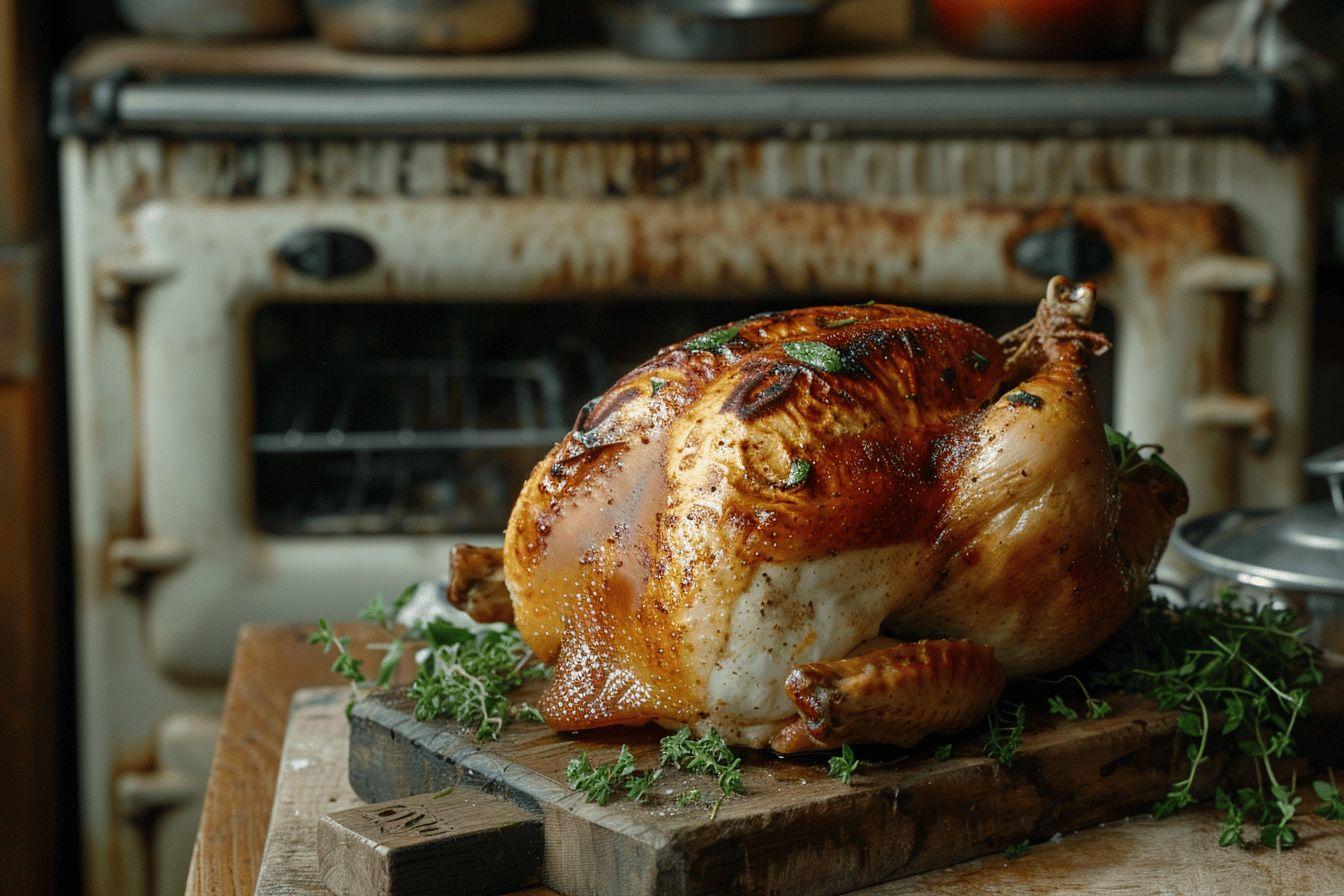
(1330, 464)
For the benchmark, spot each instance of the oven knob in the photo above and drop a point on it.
(326, 254)
(1073, 250)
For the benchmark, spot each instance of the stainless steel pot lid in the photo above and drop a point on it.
(732, 9)
(1300, 549)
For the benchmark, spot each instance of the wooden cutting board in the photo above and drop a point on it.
(795, 830)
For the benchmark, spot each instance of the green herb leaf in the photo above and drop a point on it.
(529, 713)
(837, 323)
(1129, 456)
(656, 385)
(637, 786)
(943, 753)
(843, 766)
(708, 755)
(1005, 735)
(388, 667)
(976, 361)
(1059, 708)
(1021, 398)
(468, 675)
(1247, 660)
(815, 354)
(1017, 850)
(688, 796)
(713, 341)
(1332, 805)
(799, 471)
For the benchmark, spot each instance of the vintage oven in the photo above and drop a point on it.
(320, 326)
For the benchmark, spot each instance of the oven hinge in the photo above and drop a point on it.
(1235, 410)
(134, 559)
(1256, 277)
(120, 280)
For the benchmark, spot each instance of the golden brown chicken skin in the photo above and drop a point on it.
(724, 534)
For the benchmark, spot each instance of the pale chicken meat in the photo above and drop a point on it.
(838, 524)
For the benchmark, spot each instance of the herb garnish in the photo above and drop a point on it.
(838, 323)
(709, 755)
(1025, 399)
(1236, 673)
(688, 796)
(943, 753)
(712, 341)
(466, 674)
(843, 766)
(1017, 850)
(799, 471)
(815, 354)
(598, 782)
(1129, 456)
(346, 665)
(1096, 707)
(976, 361)
(656, 385)
(1332, 806)
(1005, 734)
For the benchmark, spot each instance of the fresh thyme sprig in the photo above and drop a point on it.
(843, 766)
(1005, 733)
(1096, 707)
(599, 782)
(1129, 456)
(709, 755)
(466, 673)
(1332, 805)
(345, 665)
(688, 796)
(1237, 674)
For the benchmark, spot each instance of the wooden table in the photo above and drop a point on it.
(1177, 856)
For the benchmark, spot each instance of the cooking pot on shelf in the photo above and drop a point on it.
(1041, 29)
(711, 29)
(423, 26)
(1293, 556)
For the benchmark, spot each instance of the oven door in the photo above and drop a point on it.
(325, 396)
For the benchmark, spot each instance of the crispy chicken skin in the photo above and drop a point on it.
(679, 563)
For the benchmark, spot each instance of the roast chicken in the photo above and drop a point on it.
(832, 525)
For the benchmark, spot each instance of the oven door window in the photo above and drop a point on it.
(424, 419)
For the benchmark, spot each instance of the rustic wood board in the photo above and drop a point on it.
(312, 782)
(795, 830)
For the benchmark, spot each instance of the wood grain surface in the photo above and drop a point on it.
(459, 840)
(1177, 856)
(795, 829)
(270, 663)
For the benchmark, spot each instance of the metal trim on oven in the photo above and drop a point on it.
(1230, 102)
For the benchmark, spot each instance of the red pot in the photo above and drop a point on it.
(1041, 29)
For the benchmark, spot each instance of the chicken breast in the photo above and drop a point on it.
(734, 533)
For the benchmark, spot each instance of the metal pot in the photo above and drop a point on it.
(423, 26)
(1041, 29)
(711, 29)
(1293, 556)
(211, 19)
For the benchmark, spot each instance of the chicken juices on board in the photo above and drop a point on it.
(837, 524)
